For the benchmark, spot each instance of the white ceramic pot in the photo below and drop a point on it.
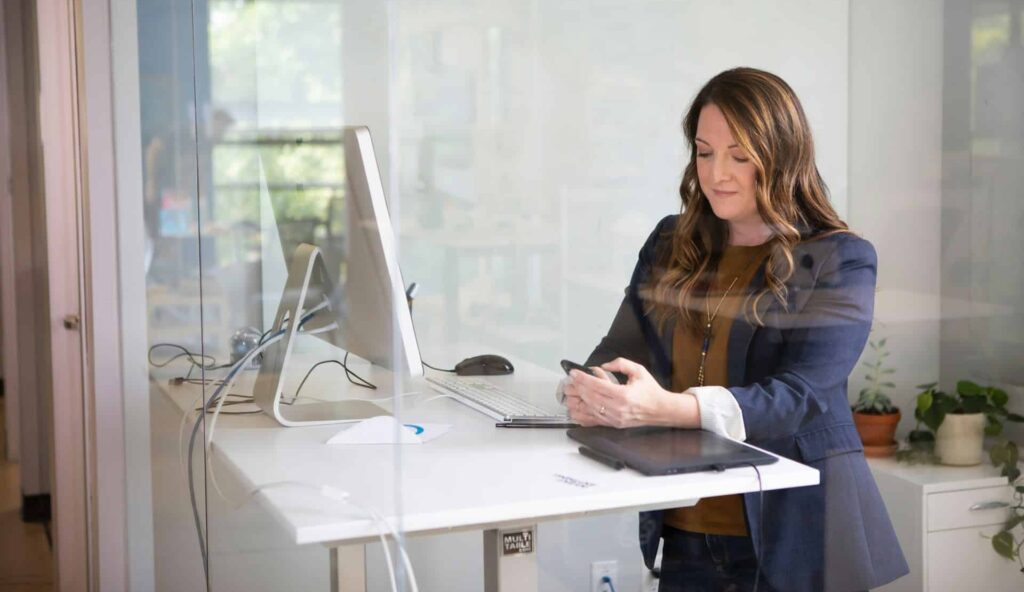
(960, 439)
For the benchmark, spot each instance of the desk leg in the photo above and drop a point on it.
(510, 559)
(348, 568)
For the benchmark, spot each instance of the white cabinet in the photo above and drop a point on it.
(944, 517)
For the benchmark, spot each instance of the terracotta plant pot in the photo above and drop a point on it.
(960, 439)
(877, 432)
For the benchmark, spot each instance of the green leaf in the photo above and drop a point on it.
(882, 342)
(889, 371)
(1015, 417)
(973, 404)
(924, 401)
(998, 454)
(1003, 544)
(946, 403)
(889, 384)
(934, 417)
(993, 428)
(927, 387)
(998, 397)
(968, 388)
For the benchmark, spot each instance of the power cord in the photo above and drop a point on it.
(607, 581)
(216, 401)
(348, 374)
(341, 496)
(452, 371)
(328, 491)
(216, 398)
(760, 523)
(196, 359)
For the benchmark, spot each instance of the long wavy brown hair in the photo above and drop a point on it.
(767, 121)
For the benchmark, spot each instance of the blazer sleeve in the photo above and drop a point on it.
(821, 345)
(631, 335)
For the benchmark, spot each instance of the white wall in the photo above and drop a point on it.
(983, 147)
(896, 179)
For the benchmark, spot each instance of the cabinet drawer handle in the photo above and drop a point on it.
(989, 506)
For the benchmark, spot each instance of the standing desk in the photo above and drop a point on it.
(475, 477)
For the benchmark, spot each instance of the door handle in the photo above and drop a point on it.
(72, 322)
(989, 506)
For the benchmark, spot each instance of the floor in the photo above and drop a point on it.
(25, 556)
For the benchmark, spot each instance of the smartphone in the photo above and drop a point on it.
(569, 366)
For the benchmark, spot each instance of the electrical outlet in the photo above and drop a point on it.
(601, 569)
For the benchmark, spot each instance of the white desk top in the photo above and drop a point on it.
(476, 476)
(937, 478)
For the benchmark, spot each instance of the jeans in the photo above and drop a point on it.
(694, 562)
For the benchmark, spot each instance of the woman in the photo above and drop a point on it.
(745, 315)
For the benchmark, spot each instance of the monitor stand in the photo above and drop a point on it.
(308, 280)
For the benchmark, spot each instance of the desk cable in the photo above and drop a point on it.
(341, 496)
(220, 401)
(326, 490)
(448, 370)
(760, 525)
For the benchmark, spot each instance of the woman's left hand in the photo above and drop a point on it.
(641, 401)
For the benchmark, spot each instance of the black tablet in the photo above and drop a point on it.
(666, 451)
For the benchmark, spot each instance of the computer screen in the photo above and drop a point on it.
(379, 324)
(365, 314)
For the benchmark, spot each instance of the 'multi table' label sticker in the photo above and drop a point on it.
(517, 541)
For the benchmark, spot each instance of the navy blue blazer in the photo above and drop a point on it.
(792, 374)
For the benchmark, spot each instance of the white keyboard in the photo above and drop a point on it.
(487, 398)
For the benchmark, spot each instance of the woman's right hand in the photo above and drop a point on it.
(579, 410)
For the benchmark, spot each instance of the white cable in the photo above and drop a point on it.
(436, 397)
(181, 434)
(252, 354)
(325, 490)
(220, 401)
(339, 495)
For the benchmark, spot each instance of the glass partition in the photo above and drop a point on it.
(526, 150)
(249, 290)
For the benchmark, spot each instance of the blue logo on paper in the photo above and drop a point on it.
(416, 428)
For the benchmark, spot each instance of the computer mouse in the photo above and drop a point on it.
(485, 365)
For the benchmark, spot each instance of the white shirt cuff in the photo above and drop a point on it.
(719, 411)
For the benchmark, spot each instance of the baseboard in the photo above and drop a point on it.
(35, 508)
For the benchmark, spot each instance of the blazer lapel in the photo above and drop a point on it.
(740, 335)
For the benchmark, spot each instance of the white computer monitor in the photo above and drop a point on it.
(367, 315)
(379, 324)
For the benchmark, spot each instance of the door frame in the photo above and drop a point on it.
(64, 175)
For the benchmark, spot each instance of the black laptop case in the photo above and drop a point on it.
(667, 451)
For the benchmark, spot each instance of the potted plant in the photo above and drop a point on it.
(960, 421)
(874, 414)
(936, 409)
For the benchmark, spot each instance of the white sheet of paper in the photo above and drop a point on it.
(382, 430)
